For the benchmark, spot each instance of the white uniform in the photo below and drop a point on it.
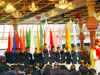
(97, 62)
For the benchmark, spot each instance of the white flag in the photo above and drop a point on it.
(74, 35)
(32, 44)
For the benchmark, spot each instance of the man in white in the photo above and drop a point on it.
(96, 55)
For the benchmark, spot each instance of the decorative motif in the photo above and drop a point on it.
(70, 6)
(92, 23)
(2, 3)
(24, 9)
(14, 20)
(97, 16)
(52, 13)
(77, 15)
(63, 4)
(81, 36)
(10, 8)
(38, 17)
(17, 14)
(33, 8)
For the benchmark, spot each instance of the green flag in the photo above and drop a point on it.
(41, 35)
(34, 37)
(29, 36)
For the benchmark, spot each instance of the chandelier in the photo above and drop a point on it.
(51, 0)
(52, 13)
(2, 3)
(10, 8)
(63, 4)
(33, 8)
(97, 16)
(70, 6)
(17, 14)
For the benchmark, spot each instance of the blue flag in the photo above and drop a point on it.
(14, 46)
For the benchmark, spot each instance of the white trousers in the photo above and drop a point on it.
(97, 66)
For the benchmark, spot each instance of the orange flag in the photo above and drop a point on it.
(11, 42)
(23, 46)
(66, 37)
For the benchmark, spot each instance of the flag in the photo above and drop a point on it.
(23, 46)
(35, 40)
(14, 46)
(60, 37)
(46, 27)
(9, 43)
(29, 37)
(32, 44)
(18, 41)
(44, 37)
(41, 35)
(74, 34)
(55, 41)
(51, 40)
(66, 37)
(38, 41)
(69, 40)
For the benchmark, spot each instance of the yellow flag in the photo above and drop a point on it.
(91, 58)
(69, 40)
(38, 41)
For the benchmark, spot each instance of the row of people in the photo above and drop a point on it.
(45, 56)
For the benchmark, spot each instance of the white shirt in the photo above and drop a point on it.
(94, 54)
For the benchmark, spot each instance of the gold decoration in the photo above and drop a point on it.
(70, 6)
(63, 4)
(10, 8)
(33, 8)
(17, 14)
(2, 3)
(97, 16)
(70, 22)
(52, 13)
(51, 0)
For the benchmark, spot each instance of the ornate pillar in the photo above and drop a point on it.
(81, 35)
(15, 26)
(91, 23)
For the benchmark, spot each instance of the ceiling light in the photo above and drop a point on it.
(32, 7)
(10, 8)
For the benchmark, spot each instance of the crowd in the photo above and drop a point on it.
(41, 69)
(45, 56)
(47, 62)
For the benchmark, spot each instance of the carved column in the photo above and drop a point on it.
(81, 35)
(91, 23)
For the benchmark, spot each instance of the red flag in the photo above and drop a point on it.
(66, 37)
(9, 43)
(51, 40)
(18, 41)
